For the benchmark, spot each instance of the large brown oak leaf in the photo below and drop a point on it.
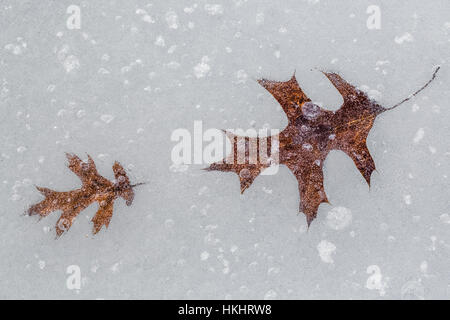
(312, 132)
(95, 188)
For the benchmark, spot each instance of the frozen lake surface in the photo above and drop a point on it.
(116, 83)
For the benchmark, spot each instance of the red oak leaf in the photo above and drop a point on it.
(312, 132)
(95, 188)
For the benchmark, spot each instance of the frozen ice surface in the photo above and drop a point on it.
(117, 87)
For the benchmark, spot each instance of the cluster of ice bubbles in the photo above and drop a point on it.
(310, 110)
(339, 218)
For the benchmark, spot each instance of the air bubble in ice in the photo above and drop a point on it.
(310, 110)
(338, 218)
(244, 173)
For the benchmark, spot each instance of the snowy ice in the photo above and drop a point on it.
(135, 71)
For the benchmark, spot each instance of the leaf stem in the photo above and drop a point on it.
(415, 93)
(137, 184)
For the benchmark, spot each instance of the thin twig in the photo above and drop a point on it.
(415, 93)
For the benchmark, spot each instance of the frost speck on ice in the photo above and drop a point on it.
(202, 69)
(214, 9)
(407, 199)
(339, 218)
(172, 20)
(372, 93)
(270, 295)
(242, 76)
(145, 16)
(326, 249)
(204, 255)
(16, 48)
(419, 135)
(41, 264)
(107, 118)
(445, 218)
(160, 41)
(259, 19)
(406, 37)
(71, 63)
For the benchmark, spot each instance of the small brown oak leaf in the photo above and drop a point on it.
(94, 188)
(312, 132)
